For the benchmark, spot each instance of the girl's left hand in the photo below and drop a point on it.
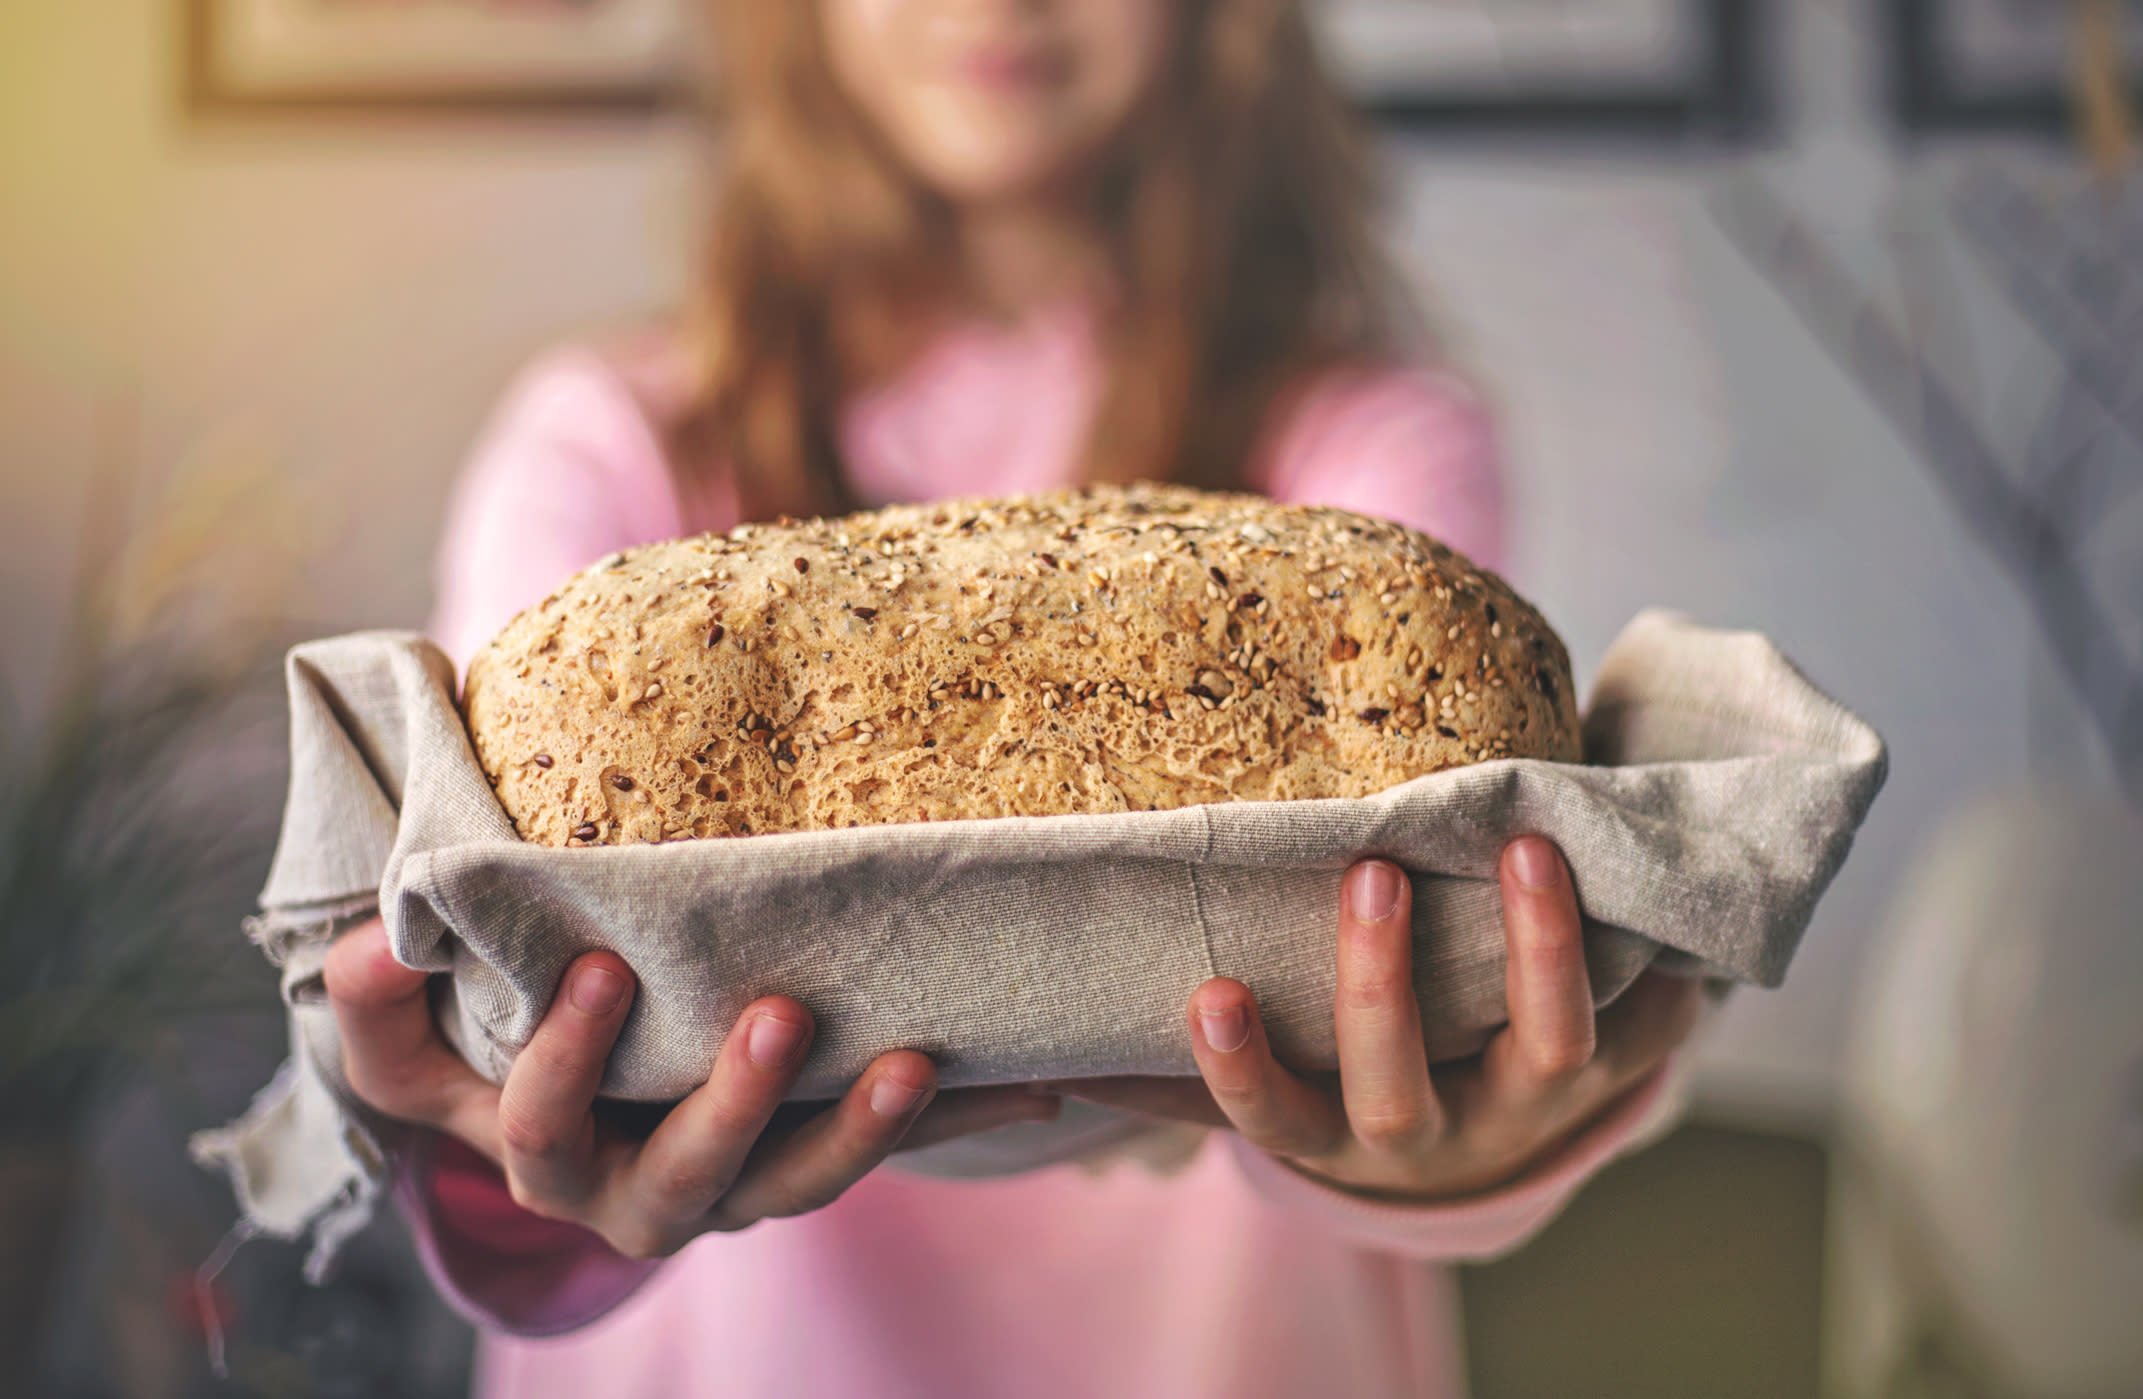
(1398, 1128)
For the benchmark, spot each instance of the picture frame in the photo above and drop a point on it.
(1649, 68)
(1986, 66)
(1643, 68)
(622, 57)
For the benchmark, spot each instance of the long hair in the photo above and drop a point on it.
(1235, 213)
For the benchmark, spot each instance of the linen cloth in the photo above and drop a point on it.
(1721, 798)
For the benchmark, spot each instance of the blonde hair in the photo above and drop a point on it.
(1235, 214)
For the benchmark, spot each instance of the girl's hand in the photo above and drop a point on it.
(712, 1164)
(1397, 1128)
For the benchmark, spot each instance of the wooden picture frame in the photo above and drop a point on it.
(295, 57)
(1648, 68)
(1946, 75)
(437, 57)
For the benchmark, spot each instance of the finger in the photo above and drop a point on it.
(838, 1147)
(546, 1125)
(1646, 1023)
(1271, 1107)
(1636, 1032)
(392, 1053)
(1547, 989)
(1383, 1061)
(1180, 1099)
(698, 1152)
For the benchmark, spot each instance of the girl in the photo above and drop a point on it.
(980, 247)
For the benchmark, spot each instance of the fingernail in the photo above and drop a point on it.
(890, 1097)
(1225, 1030)
(1534, 861)
(774, 1041)
(597, 990)
(1373, 891)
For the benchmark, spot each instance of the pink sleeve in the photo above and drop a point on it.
(1414, 446)
(499, 1266)
(1475, 1227)
(568, 470)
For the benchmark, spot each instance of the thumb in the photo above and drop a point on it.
(392, 1053)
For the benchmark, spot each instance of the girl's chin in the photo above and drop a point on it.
(996, 177)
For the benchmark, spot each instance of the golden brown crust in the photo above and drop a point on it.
(1110, 649)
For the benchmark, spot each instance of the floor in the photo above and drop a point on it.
(1691, 1269)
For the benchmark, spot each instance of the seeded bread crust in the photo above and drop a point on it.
(1110, 649)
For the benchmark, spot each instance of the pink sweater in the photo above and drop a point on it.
(1228, 1275)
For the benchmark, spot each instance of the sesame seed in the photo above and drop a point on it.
(909, 630)
(542, 760)
(586, 832)
(652, 692)
(621, 782)
(863, 738)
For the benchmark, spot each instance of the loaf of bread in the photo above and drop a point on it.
(1108, 649)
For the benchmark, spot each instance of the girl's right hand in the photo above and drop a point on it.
(711, 1164)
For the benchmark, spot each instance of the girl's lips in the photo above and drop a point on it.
(1009, 68)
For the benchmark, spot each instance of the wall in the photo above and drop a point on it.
(336, 301)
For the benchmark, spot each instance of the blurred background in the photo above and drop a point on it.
(1821, 317)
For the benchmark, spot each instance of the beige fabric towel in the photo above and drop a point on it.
(1722, 796)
